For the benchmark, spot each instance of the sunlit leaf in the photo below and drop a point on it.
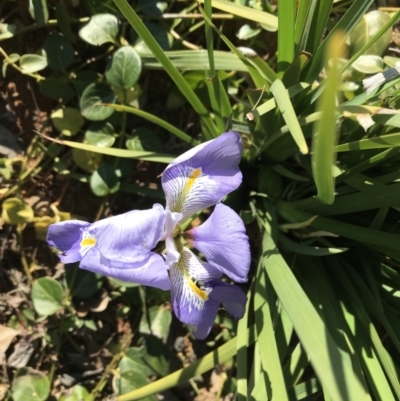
(101, 28)
(30, 63)
(32, 387)
(67, 120)
(88, 161)
(366, 29)
(100, 134)
(93, 96)
(104, 180)
(144, 140)
(47, 296)
(123, 70)
(16, 211)
(156, 321)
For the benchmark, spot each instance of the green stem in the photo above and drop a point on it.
(24, 260)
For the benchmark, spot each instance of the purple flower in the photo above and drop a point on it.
(123, 246)
(119, 247)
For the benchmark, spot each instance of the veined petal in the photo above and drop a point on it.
(151, 271)
(204, 175)
(188, 296)
(66, 236)
(231, 296)
(129, 237)
(189, 291)
(223, 241)
(199, 270)
(233, 299)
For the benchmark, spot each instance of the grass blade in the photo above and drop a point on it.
(156, 120)
(289, 115)
(324, 138)
(246, 12)
(266, 339)
(132, 154)
(286, 18)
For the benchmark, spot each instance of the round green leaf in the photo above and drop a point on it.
(30, 388)
(247, 32)
(101, 28)
(156, 322)
(30, 63)
(391, 62)
(368, 64)
(104, 181)
(123, 70)
(67, 120)
(131, 380)
(144, 139)
(82, 283)
(366, 29)
(76, 393)
(47, 296)
(7, 31)
(16, 211)
(91, 100)
(59, 52)
(88, 161)
(100, 134)
(132, 360)
(56, 88)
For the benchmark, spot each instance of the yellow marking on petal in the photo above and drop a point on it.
(192, 178)
(88, 242)
(201, 293)
(196, 173)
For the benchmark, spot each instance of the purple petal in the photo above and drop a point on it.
(233, 299)
(204, 175)
(66, 237)
(199, 270)
(129, 237)
(191, 303)
(151, 271)
(231, 296)
(223, 241)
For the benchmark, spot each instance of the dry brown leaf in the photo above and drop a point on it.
(7, 334)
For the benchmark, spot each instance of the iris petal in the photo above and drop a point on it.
(231, 296)
(233, 299)
(129, 237)
(151, 271)
(204, 175)
(223, 241)
(199, 270)
(66, 236)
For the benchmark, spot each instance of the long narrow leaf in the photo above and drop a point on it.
(325, 137)
(285, 105)
(247, 13)
(133, 154)
(333, 370)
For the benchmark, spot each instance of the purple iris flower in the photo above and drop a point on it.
(123, 246)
